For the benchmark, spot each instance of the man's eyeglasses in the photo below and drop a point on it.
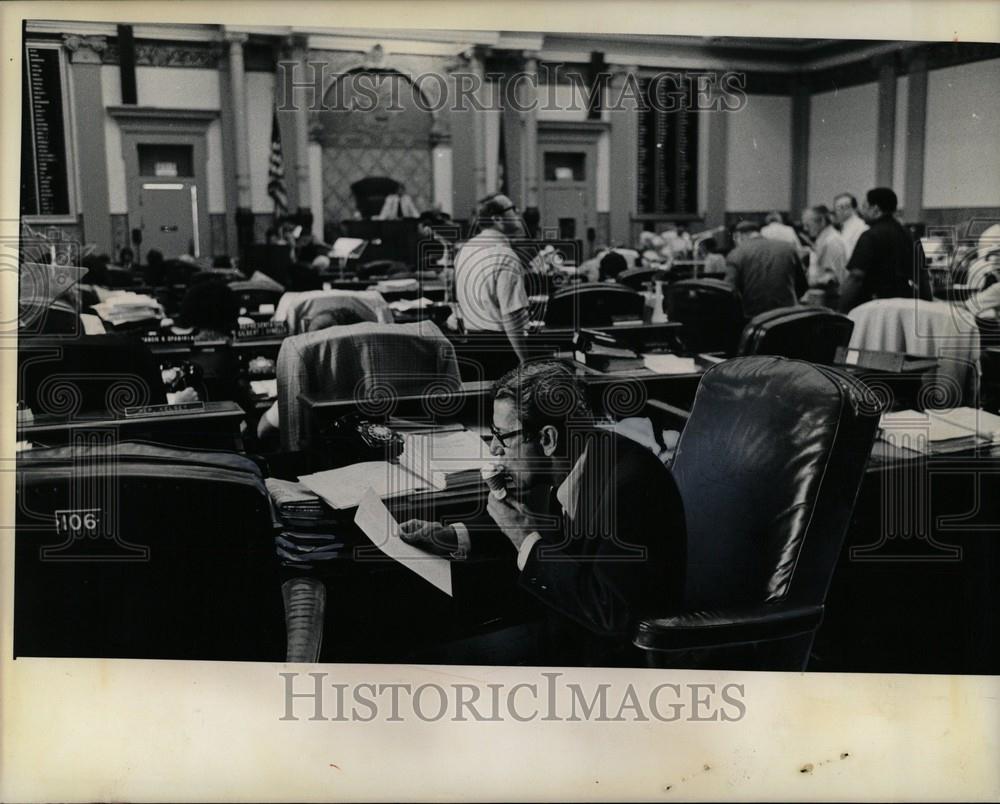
(501, 437)
(505, 210)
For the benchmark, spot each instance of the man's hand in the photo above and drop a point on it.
(430, 536)
(514, 519)
(182, 396)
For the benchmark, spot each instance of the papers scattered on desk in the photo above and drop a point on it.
(344, 487)
(429, 462)
(939, 431)
(669, 364)
(125, 308)
(375, 521)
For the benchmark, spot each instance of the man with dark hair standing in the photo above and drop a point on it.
(593, 520)
(767, 273)
(489, 280)
(845, 210)
(886, 262)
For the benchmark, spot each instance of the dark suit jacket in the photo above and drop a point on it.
(619, 556)
(767, 273)
(886, 263)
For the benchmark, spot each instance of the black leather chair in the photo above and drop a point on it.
(593, 306)
(88, 374)
(370, 194)
(138, 551)
(769, 466)
(804, 333)
(638, 278)
(710, 310)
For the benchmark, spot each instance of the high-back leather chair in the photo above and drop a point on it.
(710, 310)
(593, 306)
(87, 374)
(370, 194)
(132, 550)
(371, 363)
(769, 466)
(804, 333)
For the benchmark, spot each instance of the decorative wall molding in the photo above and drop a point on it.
(171, 54)
(148, 119)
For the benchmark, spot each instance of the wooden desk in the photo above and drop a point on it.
(217, 426)
(488, 355)
(616, 394)
(916, 589)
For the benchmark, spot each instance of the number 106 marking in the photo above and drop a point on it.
(78, 522)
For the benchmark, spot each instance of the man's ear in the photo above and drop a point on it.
(548, 438)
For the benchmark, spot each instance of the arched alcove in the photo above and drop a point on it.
(373, 125)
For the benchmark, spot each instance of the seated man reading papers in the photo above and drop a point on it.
(593, 520)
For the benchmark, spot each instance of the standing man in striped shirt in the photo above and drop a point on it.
(489, 281)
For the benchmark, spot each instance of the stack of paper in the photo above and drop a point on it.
(265, 389)
(985, 425)
(125, 307)
(669, 364)
(927, 433)
(446, 459)
(344, 487)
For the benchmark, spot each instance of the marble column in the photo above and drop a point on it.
(237, 78)
(92, 160)
(622, 94)
(304, 215)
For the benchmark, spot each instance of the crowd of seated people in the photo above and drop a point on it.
(842, 255)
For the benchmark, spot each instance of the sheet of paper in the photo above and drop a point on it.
(343, 247)
(344, 487)
(669, 364)
(382, 529)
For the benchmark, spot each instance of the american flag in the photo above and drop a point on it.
(276, 170)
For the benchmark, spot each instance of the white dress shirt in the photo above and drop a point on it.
(780, 231)
(851, 230)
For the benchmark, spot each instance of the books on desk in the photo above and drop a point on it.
(429, 462)
(938, 432)
(603, 357)
(308, 528)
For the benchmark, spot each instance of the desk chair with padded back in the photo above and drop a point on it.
(710, 310)
(803, 333)
(298, 309)
(769, 466)
(369, 361)
(163, 553)
(593, 306)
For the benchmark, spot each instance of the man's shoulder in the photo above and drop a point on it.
(629, 460)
